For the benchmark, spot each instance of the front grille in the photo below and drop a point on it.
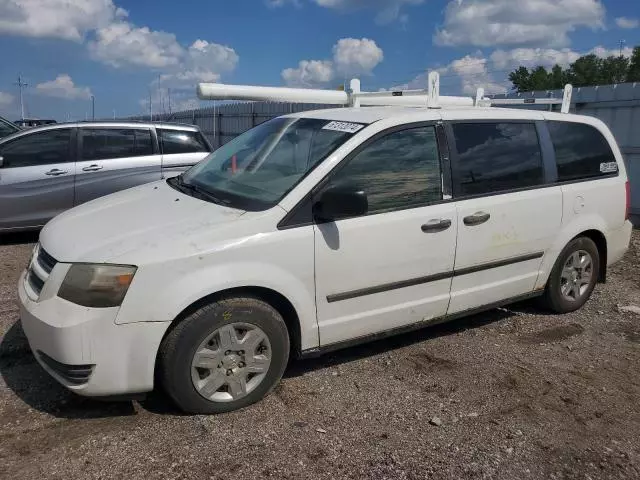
(74, 374)
(36, 277)
(46, 261)
(35, 282)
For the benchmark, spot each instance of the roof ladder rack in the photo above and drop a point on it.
(355, 97)
(565, 101)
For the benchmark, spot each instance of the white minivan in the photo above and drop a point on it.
(317, 230)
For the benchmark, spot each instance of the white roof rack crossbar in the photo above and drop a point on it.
(354, 97)
(565, 101)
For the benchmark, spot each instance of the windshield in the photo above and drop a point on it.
(258, 168)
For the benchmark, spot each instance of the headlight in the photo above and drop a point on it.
(97, 286)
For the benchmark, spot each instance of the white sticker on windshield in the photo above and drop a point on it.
(343, 127)
(608, 167)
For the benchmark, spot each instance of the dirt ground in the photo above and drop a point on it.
(518, 394)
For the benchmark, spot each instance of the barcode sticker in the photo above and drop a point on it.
(608, 167)
(346, 127)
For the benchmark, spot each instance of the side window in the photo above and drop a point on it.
(581, 151)
(108, 143)
(181, 141)
(6, 129)
(493, 157)
(398, 171)
(39, 148)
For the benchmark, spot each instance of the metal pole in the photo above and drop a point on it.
(169, 99)
(93, 107)
(21, 85)
(150, 107)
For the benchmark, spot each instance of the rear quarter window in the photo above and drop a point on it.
(181, 141)
(582, 152)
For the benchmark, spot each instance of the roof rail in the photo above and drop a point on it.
(354, 97)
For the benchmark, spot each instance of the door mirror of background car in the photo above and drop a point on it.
(341, 201)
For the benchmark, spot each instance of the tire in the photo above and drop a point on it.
(247, 318)
(554, 299)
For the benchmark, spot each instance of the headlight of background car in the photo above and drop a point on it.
(97, 286)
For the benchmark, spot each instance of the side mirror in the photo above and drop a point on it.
(342, 201)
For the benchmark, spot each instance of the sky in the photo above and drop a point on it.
(127, 54)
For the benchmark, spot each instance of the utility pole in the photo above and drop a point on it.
(93, 108)
(21, 85)
(622, 42)
(114, 113)
(169, 99)
(150, 106)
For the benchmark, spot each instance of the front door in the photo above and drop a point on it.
(507, 216)
(391, 267)
(36, 178)
(112, 159)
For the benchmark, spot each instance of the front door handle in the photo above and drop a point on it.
(476, 219)
(92, 168)
(436, 225)
(54, 172)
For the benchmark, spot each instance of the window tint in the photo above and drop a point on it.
(398, 171)
(181, 141)
(496, 156)
(41, 148)
(106, 143)
(581, 151)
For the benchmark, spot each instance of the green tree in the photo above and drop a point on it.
(633, 74)
(520, 79)
(614, 70)
(558, 78)
(585, 71)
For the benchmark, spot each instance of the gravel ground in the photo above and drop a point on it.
(512, 393)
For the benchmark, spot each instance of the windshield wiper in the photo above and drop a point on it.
(199, 191)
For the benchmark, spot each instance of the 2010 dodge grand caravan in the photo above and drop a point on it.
(316, 230)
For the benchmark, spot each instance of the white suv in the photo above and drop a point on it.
(317, 230)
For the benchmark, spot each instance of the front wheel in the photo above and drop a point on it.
(225, 356)
(573, 276)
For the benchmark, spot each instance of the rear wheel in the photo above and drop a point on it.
(573, 276)
(225, 356)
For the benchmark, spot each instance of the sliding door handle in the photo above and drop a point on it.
(476, 219)
(436, 225)
(92, 168)
(54, 172)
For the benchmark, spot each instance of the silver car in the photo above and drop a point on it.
(46, 170)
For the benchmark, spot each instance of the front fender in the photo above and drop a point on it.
(164, 300)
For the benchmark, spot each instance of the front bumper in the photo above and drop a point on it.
(83, 348)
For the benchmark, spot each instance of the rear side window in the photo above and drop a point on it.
(108, 143)
(181, 141)
(398, 171)
(40, 148)
(581, 151)
(494, 157)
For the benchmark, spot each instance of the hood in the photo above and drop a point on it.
(116, 228)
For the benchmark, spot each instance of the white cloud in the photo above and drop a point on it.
(603, 52)
(353, 56)
(282, 3)
(627, 23)
(532, 57)
(63, 87)
(6, 99)
(387, 10)
(310, 73)
(164, 102)
(69, 20)
(122, 43)
(507, 22)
